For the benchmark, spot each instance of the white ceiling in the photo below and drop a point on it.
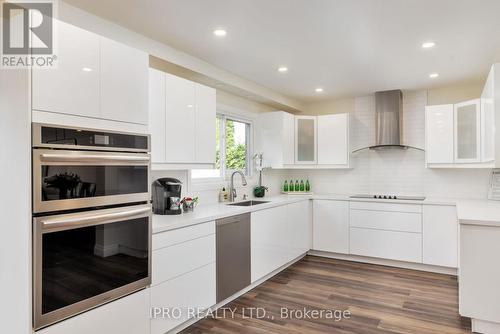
(348, 47)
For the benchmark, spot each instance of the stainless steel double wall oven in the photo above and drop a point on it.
(91, 219)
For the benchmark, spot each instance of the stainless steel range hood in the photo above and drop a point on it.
(388, 121)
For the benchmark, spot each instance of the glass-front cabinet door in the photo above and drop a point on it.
(468, 131)
(305, 140)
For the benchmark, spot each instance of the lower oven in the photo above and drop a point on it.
(82, 260)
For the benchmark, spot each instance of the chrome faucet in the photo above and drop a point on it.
(232, 191)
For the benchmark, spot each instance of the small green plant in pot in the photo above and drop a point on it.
(259, 191)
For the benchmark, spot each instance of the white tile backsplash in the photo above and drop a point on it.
(208, 192)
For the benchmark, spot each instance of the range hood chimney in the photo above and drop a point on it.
(388, 121)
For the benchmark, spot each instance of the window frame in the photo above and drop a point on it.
(225, 173)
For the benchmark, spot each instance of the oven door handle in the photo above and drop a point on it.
(54, 223)
(92, 157)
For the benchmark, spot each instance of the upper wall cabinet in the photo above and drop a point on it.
(333, 139)
(467, 131)
(72, 88)
(303, 142)
(124, 83)
(95, 77)
(182, 118)
(439, 134)
(460, 135)
(306, 135)
(274, 136)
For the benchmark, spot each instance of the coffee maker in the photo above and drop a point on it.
(167, 196)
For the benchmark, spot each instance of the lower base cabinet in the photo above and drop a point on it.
(392, 245)
(480, 273)
(440, 233)
(331, 226)
(298, 228)
(177, 300)
(267, 245)
(279, 235)
(128, 315)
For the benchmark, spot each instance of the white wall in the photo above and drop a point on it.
(15, 203)
(400, 172)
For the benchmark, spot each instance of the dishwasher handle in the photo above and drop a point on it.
(233, 219)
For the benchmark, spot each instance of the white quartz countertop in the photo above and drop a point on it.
(204, 213)
(478, 212)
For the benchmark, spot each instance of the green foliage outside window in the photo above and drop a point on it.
(236, 154)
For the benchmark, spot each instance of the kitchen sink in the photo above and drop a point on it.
(248, 203)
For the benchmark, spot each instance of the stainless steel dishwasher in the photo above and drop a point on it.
(233, 255)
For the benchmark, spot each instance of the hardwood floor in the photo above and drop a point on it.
(381, 300)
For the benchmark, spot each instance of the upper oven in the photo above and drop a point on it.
(80, 168)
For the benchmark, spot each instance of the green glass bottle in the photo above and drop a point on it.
(285, 186)
(302, 188)
(290, 186)
(297, 186)
(308, 186)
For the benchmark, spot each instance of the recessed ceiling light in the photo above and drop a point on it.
(319, 90)
(220, 32)
(282, 69)
(428, 45)
(433, 75)
(86, 69)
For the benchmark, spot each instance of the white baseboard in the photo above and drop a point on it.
(385, 262)
(485, 327)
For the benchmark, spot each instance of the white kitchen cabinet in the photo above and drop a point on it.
(268, 236)
(393, 245)
(333, 139)
(175, 260)
(479, 274)
(184, 294)
(467, 129)
(183, 273)
(298, 224)
(439, 125)
(72, 87)
(95, 77)
(386, 230)
(157, 116)
(180, 120)
(274, 137)
(384, 220)
(205, 124)
(440, 235)
(124, 82)
(306, 140)
(488, 119)
(331, 226)
(127, 315)
(185, 113)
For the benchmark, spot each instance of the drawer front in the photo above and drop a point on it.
(383, 220)
(377, 206)
(127, 315)
(402, 246)
(195, 289)
(169, 238)
(173, 261)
